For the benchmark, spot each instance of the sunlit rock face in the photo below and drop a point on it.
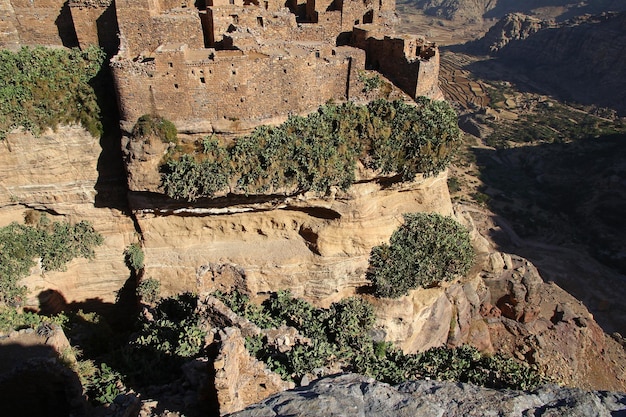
(58, 173)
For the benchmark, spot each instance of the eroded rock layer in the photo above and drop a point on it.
(57, 173)
(316, 247)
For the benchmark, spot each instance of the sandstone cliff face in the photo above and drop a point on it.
(316, 247)
(57, 173)
(355, 395)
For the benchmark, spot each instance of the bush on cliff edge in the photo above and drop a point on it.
(41, 88)
(426, 250)
(320, 151)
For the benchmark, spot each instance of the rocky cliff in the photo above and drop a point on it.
(354, 395)
(318, 247)
(62, 173)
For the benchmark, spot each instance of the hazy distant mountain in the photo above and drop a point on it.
(478, 9)
(581, 59)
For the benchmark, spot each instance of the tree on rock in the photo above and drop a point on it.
(426, 250)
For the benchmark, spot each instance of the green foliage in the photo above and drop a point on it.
(426, 250)
(241, 305)
(320, 151)
(340, 337)
(12, 319)
(349, 321)
(299, 314)
(369, 83)
(552, 122)
(148, 126)
(41, 88)
(416, 139)
(103, 384)
(61, 242)
(160, 346)
(191, 179)
(134, 257)
(55, 243)
(149, 290)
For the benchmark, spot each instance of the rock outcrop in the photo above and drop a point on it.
(30, 364)
(355, 395)
(512, 27)
(60, 173)
(538, 322)
(316, 247)
(240, 379)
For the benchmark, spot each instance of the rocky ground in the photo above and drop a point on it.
(354, 395)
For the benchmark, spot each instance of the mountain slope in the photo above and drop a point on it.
(579, 60)
(478, 9)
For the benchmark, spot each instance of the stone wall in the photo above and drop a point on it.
(409, 62)
(143, 29)
(95, 23)
(38, 22)
(9, 36)
(271, 25)
(182, 84)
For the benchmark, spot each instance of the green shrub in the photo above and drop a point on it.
(149, 290)
(369, 83)
(241, 305)
(103, 384)
(340, 337)
(159, 347)
(41, 88)
(426, 250)
(189, 179)
(134, 257)
(320, 151)
(148, 126)
(410, 140)
(349, 322)
(55, 243)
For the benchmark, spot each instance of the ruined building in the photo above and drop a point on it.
(210, 63)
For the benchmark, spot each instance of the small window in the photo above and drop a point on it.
(259, 21)
(202, 80)
(170, 64)
(176, 86)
